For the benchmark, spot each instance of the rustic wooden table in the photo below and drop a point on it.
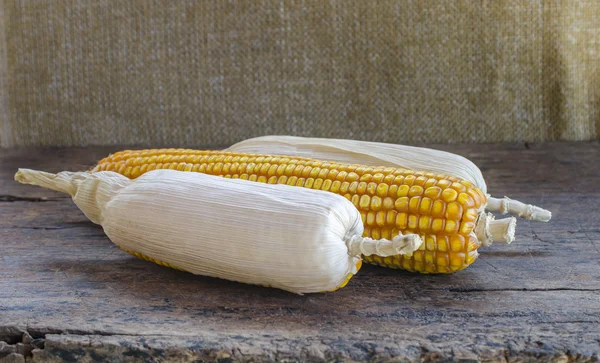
(67, 293)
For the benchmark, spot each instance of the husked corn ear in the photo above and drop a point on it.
(443, 210)
(394, 155)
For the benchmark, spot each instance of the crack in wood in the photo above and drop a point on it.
(521, 289)
(15, 198)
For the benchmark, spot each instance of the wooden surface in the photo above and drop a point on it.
(67, 293)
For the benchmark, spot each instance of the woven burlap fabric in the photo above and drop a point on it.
(216, 72)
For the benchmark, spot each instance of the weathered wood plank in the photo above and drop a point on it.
(537, 299)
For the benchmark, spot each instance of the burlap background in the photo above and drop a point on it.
(215, 72)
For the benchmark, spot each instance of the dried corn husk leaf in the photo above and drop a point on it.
(294, 239)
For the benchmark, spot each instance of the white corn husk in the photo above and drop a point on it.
(392, 155)
(295, 239)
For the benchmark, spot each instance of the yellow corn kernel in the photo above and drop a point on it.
(402, 191)
(433, 192)
(471, 256)
(323, 173)
(386, 233)
(425, 207)
(306, 171)
(382, 190)
(380, 218)
(413, 222)
(335, 187)
(389, 178)
(371, 188)
(429, 255)
(442, 259)
(430, 242)
(482, 196)
(457, 243)
(375, 233)
(398, 179)
(352, 177)
(457, 261)
(421, 180)
(401, 204)
(418, 256)
(476, 197)
(429, 183)
(375, 203)
(362, 188)
(377, 177)
(318, 183)
(413, 204)
(442, 269)
(388, 203)
(454, 211)
(333, 173)
(437, 225)
(271, 172)
(409, 179)
(466, 183)
(470, 215)
(443, 183)
(280, 169)
(466, 228)
(465, 200)
(371, 218)
(353, 188)
(442, 243)
(344, 187)
(473, 243)
(439, 209)
(458, 187)
(424, 224)
(451, 226)
(298, 170)
(402, 221)
(135, 172)
(364, 202)
(310, 182)
(366, 178)
(449, 195)
(390, 217)
(415, 190)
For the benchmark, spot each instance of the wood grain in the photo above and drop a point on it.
(67, 293)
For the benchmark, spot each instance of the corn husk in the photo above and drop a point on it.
(295, 239)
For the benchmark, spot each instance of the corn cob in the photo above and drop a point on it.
(445, 211)
(301, 241)
(400, 156)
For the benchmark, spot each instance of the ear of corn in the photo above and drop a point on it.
(443, 210)
(400, 156)
(298, 240)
